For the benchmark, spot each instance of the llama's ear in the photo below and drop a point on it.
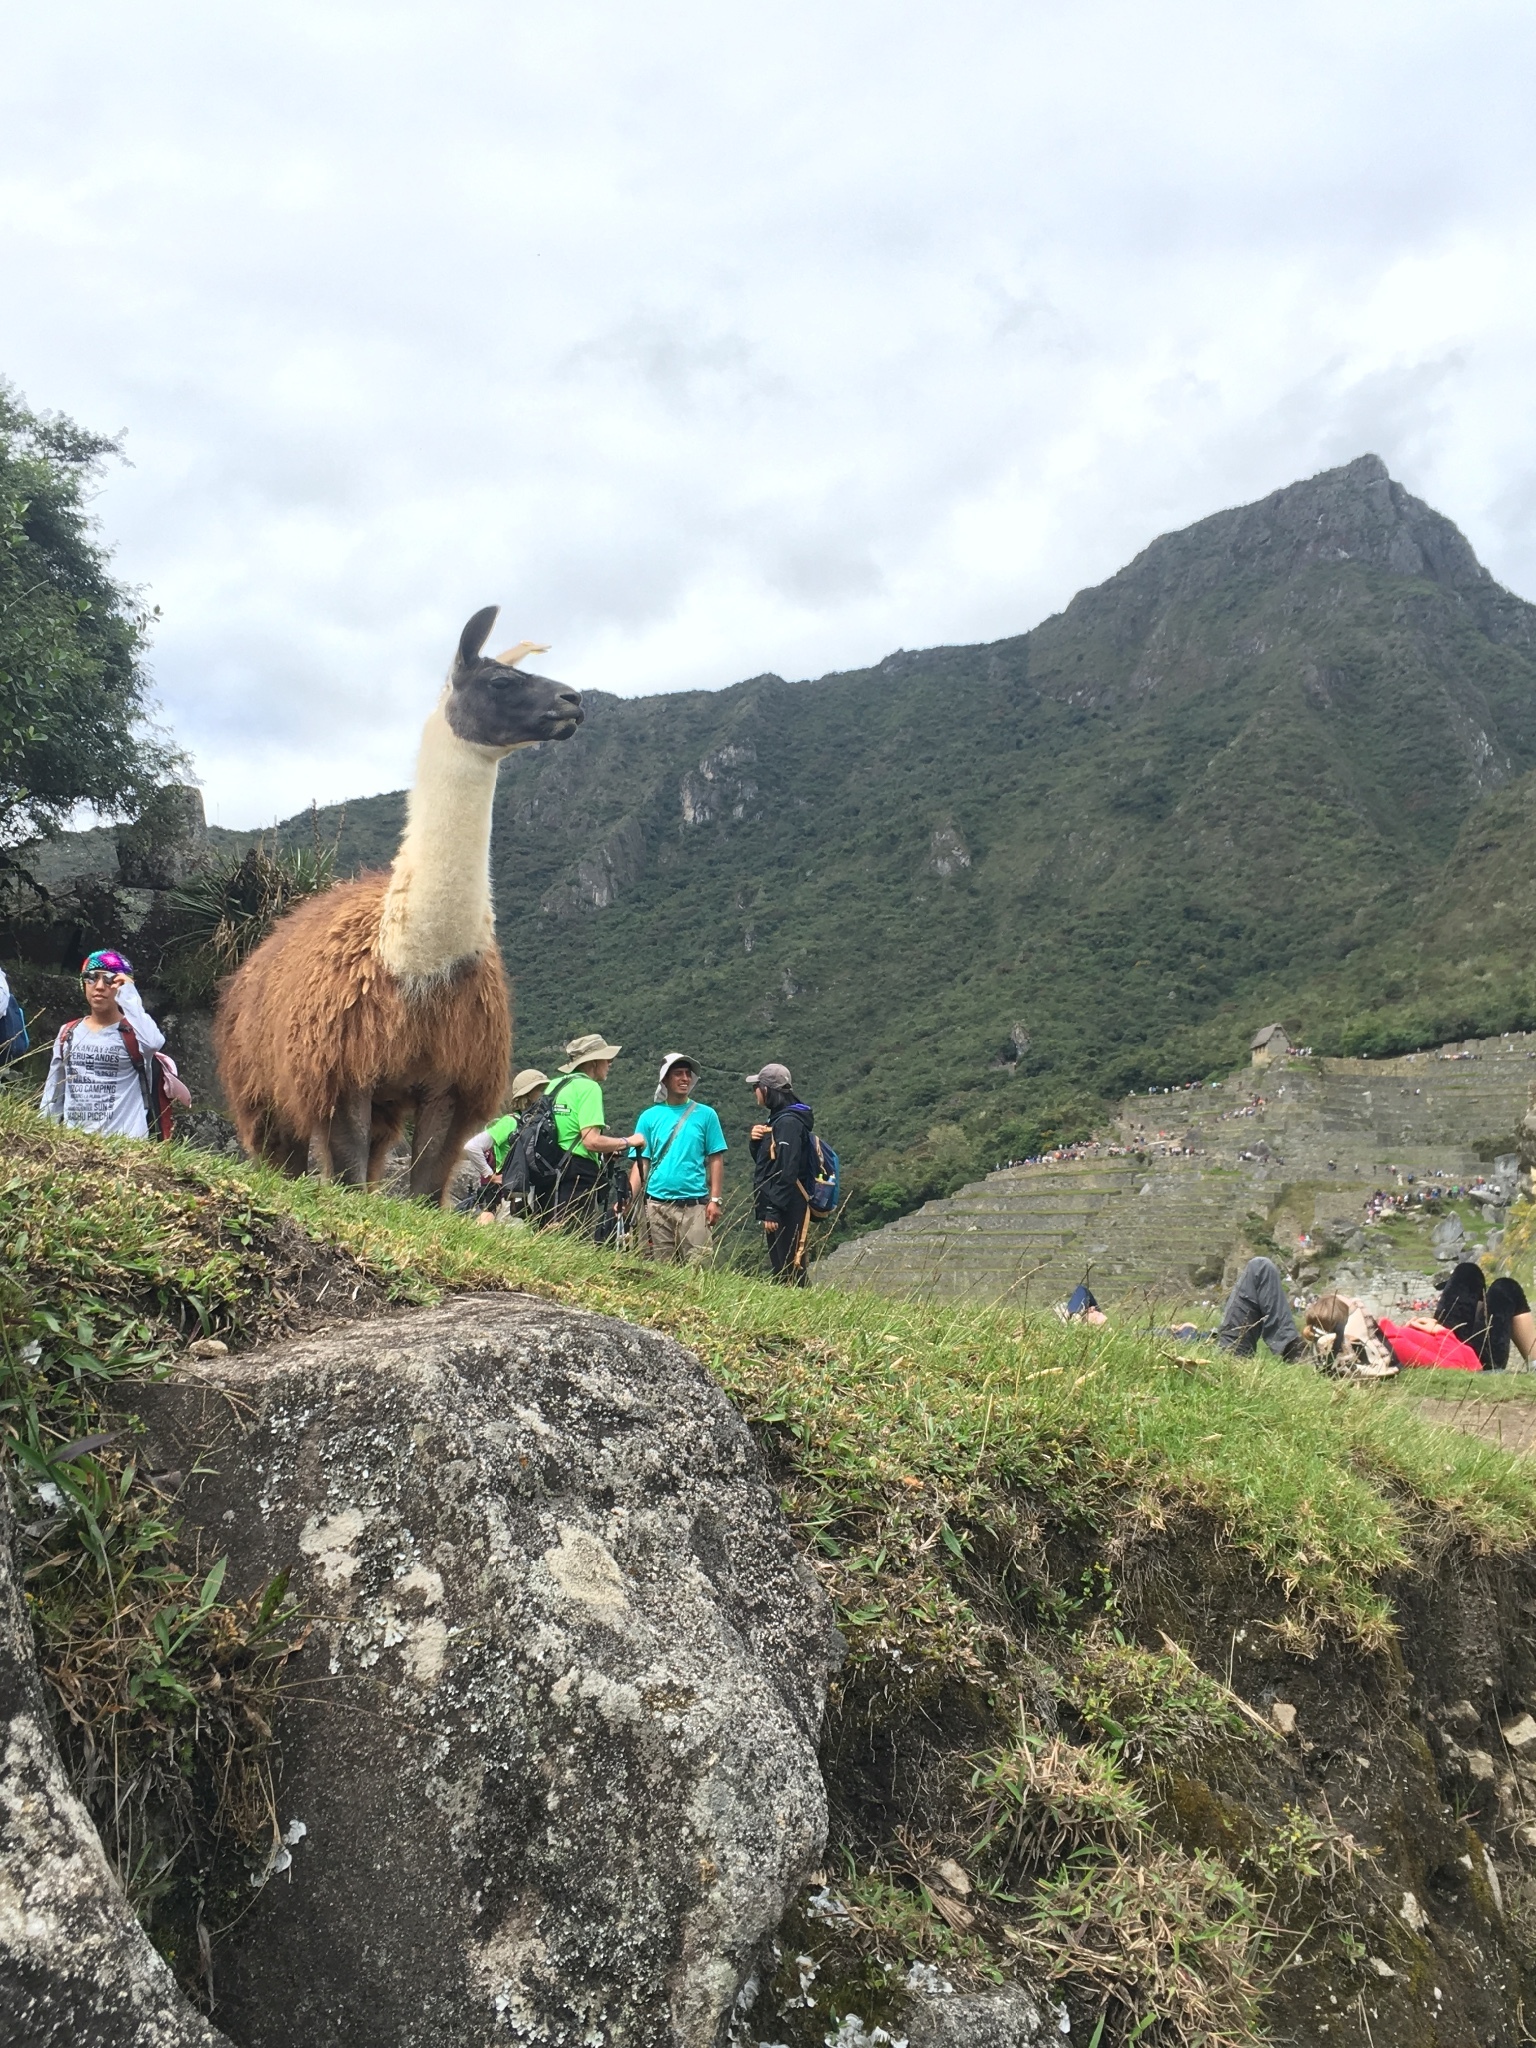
(473, 637)
(511, 656)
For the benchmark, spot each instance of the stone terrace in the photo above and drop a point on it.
(1170, 1216)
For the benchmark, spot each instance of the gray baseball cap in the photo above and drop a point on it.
(773, 1075)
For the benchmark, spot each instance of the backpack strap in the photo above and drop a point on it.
(773, 1150)
(567, 1152)
(157, 1113)
(66, 1034)
(157, 1108)
(550, 1096)
(650, 1166)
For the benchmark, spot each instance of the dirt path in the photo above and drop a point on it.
(1511, 1424)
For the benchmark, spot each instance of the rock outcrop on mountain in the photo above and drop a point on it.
(76, 1968)
(1354, 514)
(549, 1760)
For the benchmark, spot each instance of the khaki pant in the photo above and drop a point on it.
(677, 1234)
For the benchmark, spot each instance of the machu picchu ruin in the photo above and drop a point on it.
(1371, 1173)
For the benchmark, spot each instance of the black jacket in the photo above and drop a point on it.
(781, 1165)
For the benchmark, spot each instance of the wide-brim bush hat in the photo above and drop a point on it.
(529, 1079)
(774, 1075)
(675, 1059)
(591, 1047)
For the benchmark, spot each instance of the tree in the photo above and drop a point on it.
(74, 711)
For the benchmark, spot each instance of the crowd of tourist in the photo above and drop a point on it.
(660, 1185)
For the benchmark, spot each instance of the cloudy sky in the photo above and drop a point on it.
(708, 339)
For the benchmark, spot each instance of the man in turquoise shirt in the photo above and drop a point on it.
(684, 1168)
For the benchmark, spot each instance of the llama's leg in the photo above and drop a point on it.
(388, 1122)
(441, 1127)
(288, 1154)
(347, 1137)
(277, 1146)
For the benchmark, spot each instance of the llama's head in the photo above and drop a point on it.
(491, 702)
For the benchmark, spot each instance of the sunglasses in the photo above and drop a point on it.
(99, 974)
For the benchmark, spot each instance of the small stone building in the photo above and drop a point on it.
(1269, 1044)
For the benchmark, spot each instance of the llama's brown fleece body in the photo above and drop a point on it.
(314, 1014)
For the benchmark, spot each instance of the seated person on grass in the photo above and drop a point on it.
(1471, 1330)
(1257, 1307)
(1461, 1336)
(1487, 1315)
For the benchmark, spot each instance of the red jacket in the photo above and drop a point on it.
(1429, 1347)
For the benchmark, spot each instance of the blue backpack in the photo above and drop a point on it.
(13, 1034)
(824, 1175)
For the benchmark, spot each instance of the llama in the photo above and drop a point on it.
(384, 998)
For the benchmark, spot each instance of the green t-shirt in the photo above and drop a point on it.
(578, 1108)
(501, 1133)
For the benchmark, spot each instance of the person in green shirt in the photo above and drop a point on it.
(488, 1149)
(579, 1125)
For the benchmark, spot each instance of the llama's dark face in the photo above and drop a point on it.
(493, 703)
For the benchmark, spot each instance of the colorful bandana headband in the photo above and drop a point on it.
(112, 963)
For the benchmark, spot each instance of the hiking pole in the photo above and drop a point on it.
(642, 1166)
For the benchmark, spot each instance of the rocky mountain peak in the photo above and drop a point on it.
(1354, 514)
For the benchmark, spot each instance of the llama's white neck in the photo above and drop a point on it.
(437, 908)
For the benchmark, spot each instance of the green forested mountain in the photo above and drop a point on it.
(1280, 765)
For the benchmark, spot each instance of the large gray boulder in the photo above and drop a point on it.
(76, 1970)
(549, 1761)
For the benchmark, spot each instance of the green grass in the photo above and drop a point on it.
(898, 1415)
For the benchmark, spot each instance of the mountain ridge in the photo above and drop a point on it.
(974, 893)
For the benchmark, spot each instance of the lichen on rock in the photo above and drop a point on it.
(553, 1742)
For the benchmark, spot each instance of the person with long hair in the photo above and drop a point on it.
(101, 1075)
(1490, 1316)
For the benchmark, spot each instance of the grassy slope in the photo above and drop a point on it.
(1318, 1481)
(1462, 968)
(917, 1453)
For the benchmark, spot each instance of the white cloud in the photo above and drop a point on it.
(710, 340)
